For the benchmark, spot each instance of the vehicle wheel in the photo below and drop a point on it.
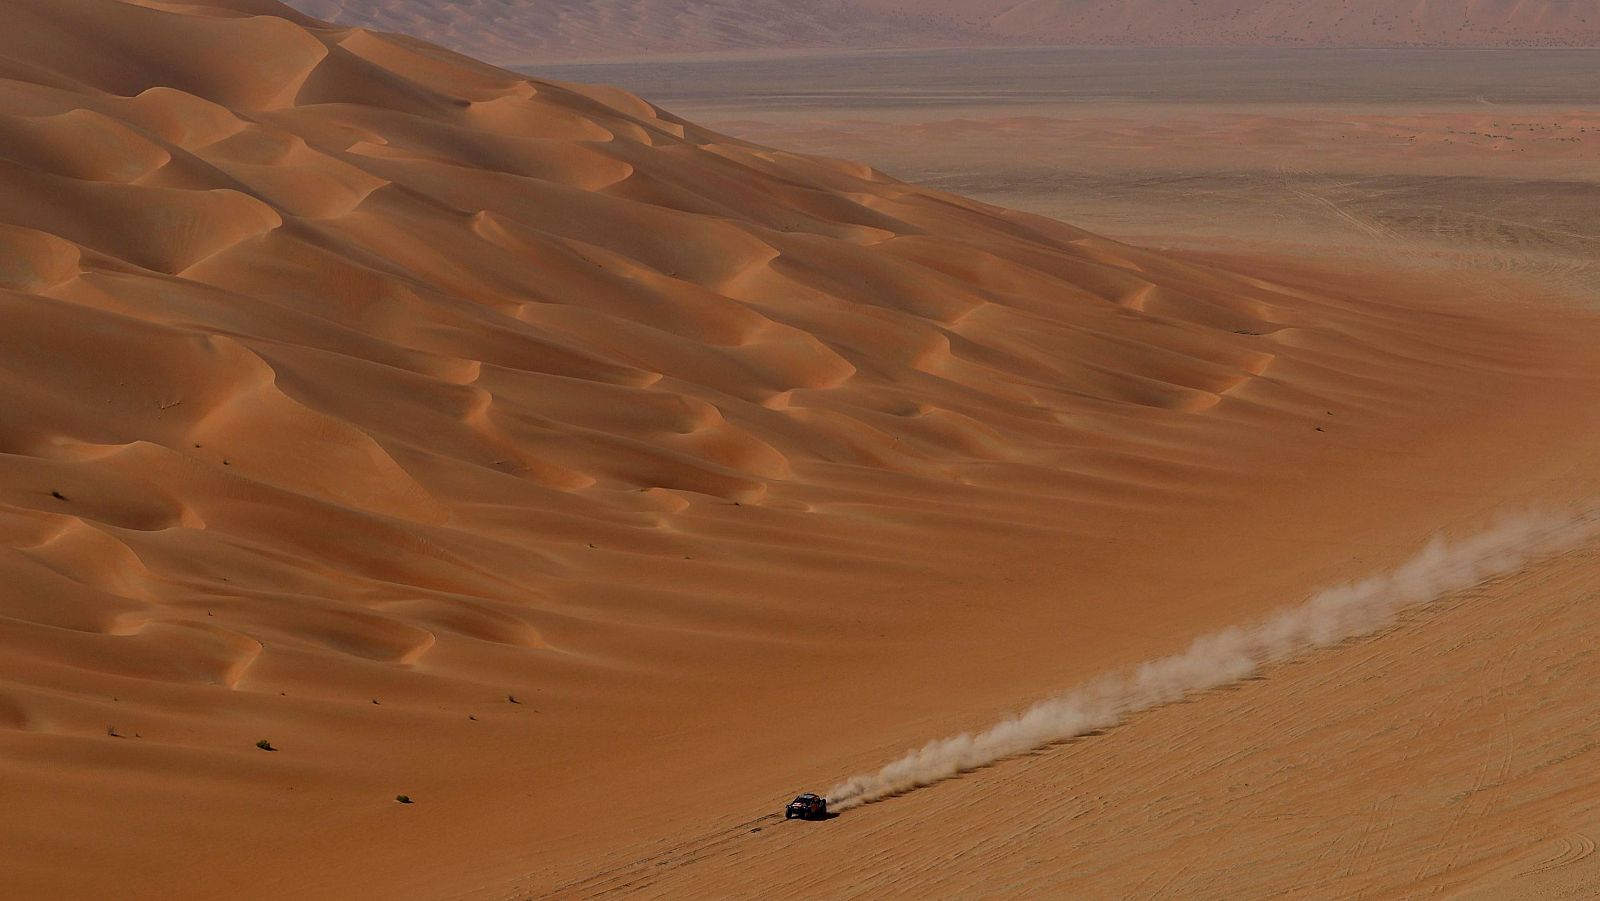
(788, 815)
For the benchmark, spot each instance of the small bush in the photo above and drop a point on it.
(112, 731)
(403, 799)
(265, 745)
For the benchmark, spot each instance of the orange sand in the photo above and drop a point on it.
(590, 477)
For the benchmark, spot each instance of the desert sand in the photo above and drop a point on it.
(517, 31)
(597, 481)
(1426, 159)
(1295, 785)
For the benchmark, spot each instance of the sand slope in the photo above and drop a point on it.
(527, 30)
(583, 474)
(1442, 759)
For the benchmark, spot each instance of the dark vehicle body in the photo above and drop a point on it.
(807, 807)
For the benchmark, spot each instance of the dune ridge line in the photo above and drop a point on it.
(1329, 616)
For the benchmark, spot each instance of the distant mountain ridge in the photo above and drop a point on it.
(521, 30)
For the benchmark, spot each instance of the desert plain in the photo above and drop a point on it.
(1428, 158)
(426, 480)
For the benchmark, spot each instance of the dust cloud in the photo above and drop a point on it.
(1328, 617)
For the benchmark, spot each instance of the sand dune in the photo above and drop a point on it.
(584, 475)
(514, 31)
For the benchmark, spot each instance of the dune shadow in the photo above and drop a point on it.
(830, 815)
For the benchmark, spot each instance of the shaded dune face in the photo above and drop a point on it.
(366, 344)
(517, 31)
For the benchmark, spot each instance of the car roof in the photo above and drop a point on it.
(808, 797)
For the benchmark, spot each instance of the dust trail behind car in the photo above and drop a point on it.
(1327, 617)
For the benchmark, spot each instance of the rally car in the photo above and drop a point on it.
(807, 807)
